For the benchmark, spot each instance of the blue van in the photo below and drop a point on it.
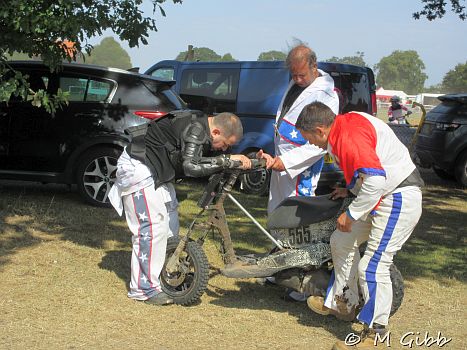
(253, 90)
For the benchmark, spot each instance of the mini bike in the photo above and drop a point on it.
(300, 229)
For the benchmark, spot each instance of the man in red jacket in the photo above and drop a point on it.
(378, 170)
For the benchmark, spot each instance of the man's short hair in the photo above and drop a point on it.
(301, 53)
(229, 124)
(313, 115)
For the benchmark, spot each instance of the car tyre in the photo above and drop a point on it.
(443, 174)
(255, 182)
(96, 173)
(461, 169)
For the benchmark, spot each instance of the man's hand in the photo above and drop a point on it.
(278, 165)
(344, 223)
(269, 158)
(246, 162)
(339, 192)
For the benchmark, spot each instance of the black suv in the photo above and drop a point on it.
(442, 141)
(81, 143)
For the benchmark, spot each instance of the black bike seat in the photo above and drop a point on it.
(302, 211)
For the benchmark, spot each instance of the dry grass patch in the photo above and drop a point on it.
(64, 268)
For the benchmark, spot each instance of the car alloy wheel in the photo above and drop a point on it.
(96, 175)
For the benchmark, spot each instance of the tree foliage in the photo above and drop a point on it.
(434, 9)
(272, 55)
(356, 60)
(434, 89)
(44, 28)
(203, 54)
(109, 53)
(455, 80)
(401, 70)
(227, 58)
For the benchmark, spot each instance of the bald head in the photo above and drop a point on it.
(300, 54)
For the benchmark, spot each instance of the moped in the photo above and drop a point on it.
(300, 229)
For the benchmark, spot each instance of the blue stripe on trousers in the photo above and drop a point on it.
(331, 283)
(366, 315)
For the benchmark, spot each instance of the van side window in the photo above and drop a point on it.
(353, 90)
(210, 90)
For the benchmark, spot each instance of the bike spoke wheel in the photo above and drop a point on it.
(187, 285)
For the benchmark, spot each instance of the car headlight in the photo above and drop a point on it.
(447, 126)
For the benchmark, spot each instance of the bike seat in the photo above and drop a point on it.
(302, 211)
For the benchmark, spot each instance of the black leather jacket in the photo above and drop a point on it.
(175, 146)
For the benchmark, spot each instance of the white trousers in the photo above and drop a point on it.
(386, 231)
(152, 217)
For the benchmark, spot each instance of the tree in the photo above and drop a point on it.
(227, 58)
(59, 30)
(109, 53)
(401, 70)
(272, 55)
(455, 80)
(434, 89)
(434, 9)
(356, 60)
(203, 54)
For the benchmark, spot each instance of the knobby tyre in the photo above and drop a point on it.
(188, 284)
(397, 288)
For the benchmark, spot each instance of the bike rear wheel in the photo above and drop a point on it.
(397, 288)
(188, 284)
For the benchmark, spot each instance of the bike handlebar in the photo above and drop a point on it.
(227, 163)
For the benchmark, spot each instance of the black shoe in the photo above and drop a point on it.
(160, 299)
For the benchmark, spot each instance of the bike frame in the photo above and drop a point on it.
(214, 203)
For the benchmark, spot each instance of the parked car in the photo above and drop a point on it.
(81, 143)
(253, 91)
(442, 141)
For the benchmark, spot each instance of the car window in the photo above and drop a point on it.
(353, 90)
(164, 73)
(84, 89)
(37, 81)
(210, 90)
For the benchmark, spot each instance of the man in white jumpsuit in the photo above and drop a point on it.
(297, 165)
(144, 188)
(379, 171)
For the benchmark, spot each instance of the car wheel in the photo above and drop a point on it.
(255, 182)
(96, 173)
(461, 169)
(443, 174)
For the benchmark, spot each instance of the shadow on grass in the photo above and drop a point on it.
(254, 296)
(118, 261)
(31, 213)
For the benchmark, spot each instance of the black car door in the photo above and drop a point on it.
(31, 140)
(4, 130)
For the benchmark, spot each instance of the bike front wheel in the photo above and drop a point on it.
(187, 285)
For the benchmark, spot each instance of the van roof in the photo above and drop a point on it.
(328, 66)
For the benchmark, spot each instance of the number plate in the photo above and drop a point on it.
(299, 236)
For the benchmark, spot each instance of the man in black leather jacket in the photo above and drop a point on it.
(171, 147)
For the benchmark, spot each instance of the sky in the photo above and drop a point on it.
(245, 28)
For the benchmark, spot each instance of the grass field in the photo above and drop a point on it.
(64, 268)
